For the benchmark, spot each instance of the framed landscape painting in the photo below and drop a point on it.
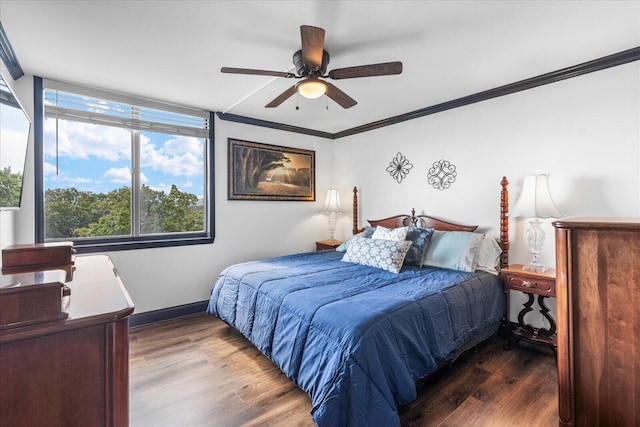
(270, 172)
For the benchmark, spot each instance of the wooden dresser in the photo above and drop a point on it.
(74, 371)
(598, 314)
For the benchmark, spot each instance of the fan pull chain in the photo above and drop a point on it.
(297, 101)
(57, 109)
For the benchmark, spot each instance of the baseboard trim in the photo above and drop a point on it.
(164, 314)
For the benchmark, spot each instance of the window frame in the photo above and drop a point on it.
(102, 244)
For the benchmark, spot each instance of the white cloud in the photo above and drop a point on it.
(72, 180)
(55, 175)
(161, 187)
(118, 175)
(183, 144)
(49, 169)
(78, 140)
(181, 156)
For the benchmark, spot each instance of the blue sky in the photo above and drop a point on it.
(98, 158)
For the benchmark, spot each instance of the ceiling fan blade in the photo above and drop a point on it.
(312, 45)
(282, 97)
(372, 70)
(231, 70)
(341, 98)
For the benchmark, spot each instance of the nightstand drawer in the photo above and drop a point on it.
(534, 285)
(324, 245)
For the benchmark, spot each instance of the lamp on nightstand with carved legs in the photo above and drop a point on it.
(535, 202)
(332, 208)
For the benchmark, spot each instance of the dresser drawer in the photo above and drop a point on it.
(532, 285)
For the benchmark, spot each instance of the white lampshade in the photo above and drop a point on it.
(535, 202)
(332, 207)
(312, 88)
(535, 199)
(332, 203)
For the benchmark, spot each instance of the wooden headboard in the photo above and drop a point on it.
(420, 221)
(440, 224)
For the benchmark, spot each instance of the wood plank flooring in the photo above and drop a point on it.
(197, 371)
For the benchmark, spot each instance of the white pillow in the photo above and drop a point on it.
(395, 234)
(380, 253)
(488, 256)
(455, 250)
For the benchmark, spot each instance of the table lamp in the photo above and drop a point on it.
(535, 202)
(332, 208)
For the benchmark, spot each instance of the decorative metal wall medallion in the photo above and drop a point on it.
(441, 175)
(399, 167)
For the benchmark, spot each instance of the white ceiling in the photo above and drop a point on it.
(173, 50)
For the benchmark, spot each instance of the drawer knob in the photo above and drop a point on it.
(528, 284)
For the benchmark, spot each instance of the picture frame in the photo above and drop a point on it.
(259, 171)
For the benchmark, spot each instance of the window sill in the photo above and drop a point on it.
(103, 245)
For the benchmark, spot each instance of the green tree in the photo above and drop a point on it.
(179, 212)
(10, 188)
(150, 210)
(115, 215)
(71, 213)
(67, 209)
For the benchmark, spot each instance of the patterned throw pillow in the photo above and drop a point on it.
(385, 254)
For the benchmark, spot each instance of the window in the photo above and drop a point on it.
(120, 172)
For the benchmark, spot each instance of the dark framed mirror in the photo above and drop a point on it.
(14, 135)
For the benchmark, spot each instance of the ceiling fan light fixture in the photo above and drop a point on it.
(312, 88)
(311, 64)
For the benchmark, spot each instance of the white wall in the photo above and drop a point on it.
(584, 131)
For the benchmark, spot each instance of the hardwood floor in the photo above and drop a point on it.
(197, 371)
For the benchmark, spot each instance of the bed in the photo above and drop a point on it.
(356, 337)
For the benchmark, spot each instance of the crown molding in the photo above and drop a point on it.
(620, 58)
(273, 125)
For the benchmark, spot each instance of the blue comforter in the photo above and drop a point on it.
(356, 338)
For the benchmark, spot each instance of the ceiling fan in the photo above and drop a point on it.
(311, 65)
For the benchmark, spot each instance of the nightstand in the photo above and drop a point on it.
(327, 244)
(542, 285)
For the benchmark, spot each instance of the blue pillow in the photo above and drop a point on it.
(419, 238)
